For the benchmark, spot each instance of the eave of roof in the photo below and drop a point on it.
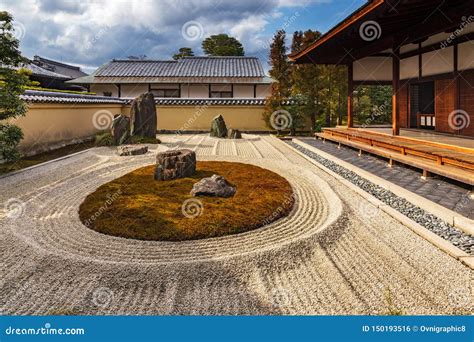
(344, 24)
(156, 80)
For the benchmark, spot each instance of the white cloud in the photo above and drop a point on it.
(91, 32)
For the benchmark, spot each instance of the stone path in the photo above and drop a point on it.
(334, 254)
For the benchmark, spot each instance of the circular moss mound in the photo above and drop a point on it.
(136, 206)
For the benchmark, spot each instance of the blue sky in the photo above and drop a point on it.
(91, 32)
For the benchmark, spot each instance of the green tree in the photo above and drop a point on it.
(222, 45)
(183, 52)
(308, 79)
(281, 87)
(12, 83)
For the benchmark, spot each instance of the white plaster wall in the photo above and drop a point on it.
(197, 91)
(133, 90)
(243, 90)
(263, 90)
(438, 62)
(373, 69)
(409, 67)
(466, 56)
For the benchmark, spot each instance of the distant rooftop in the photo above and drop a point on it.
(66, 70)
(185, 67)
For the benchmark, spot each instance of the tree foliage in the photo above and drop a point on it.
(281, 87)
(183, 52)
(222, 45)
(13, 79)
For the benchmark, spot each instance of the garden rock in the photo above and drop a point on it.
(143, 115)
(175, 164)
(218, 127)
(215, 186)
(120, 129)
(234, 134)
(132, 150)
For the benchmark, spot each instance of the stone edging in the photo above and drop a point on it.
(417, 228)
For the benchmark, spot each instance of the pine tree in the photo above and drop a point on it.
(183, 52)
(12, 83)
(281, 87)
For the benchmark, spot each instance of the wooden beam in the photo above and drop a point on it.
(350, 94)
(395, 91)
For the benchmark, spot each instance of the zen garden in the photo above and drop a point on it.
(337, 182)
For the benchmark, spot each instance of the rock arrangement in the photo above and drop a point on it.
(234, 134)
(218, 127)
(143, 116)
(132, 150)
(175, 164)
(215, 186)
(120, 129)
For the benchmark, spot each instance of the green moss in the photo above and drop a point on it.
(138, 207)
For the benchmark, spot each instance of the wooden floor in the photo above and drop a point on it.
(427, 135)
(445, 155)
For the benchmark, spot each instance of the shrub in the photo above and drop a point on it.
(104, 139)
(10, 136)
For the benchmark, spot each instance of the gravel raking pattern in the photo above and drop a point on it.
(457, 237)
(334, 254)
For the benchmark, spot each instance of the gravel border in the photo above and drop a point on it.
(458, 238)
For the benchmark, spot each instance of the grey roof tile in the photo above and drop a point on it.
(186, 67)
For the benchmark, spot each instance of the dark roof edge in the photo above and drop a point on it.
(356, 15)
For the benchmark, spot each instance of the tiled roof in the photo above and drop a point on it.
(39, 71)
(70, 71)
(211, 102)
(185, 67)
(56, 97)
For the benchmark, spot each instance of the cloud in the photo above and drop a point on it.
(92, 32)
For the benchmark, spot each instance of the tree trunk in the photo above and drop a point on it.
(313, 121)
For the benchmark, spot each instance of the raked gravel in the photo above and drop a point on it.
(335, 253)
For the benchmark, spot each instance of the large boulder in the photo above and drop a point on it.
(132, 150)
(143, 115)
(120, 129)
(234, 134)
(175, 164)
(218, 127)
(215, 186)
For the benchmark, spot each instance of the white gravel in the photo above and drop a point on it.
(334, 254)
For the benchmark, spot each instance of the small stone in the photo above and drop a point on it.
(234, 134)
(218, 127)
(132, 150)
(175, 164)
(215, 186)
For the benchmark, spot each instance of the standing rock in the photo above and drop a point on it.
(175, 164)
(143, 115)
(234, 134)
(218, 127)
(216, 186)
(120, 129)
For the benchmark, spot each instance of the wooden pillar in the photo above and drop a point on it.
(395, 91)
(350, 94)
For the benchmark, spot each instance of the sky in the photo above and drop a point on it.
(89, 33)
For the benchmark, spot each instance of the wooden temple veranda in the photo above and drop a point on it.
(424, 49)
